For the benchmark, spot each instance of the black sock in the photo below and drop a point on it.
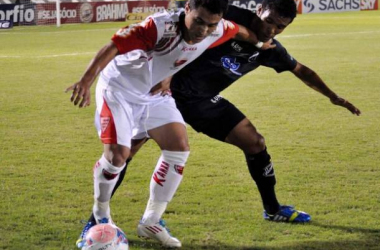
(262, 172)
(119, 181)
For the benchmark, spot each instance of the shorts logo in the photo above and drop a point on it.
(231, 64)
(104, 121)
(216, 98)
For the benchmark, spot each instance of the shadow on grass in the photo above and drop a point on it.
(370, 241)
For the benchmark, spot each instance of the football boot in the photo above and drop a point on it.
(288, 214)
(159, 232)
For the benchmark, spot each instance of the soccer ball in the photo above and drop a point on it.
(105, 237)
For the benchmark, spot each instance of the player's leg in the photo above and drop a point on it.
(114, 122)
(136, 145)
(165, 125)
(245, 136)
(221, 120)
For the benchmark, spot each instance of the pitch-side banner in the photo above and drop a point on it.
(139, 10)
(369, 4)
(319, 6)
(18, 13)
(246, 4)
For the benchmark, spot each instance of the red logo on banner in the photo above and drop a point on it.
(369, 4)
(299, 6)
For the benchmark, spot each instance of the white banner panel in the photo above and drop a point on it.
(318, 6)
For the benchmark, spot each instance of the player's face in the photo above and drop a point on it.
(272, 24)
(199, 24)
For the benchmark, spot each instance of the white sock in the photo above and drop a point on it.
(164, 183)
(154, 211)
(103, 187)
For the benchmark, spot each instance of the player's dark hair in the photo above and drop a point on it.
(284, 8)
(213, 6)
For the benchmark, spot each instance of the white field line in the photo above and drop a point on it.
(50, 56)
(280, 37)
(55, 32)
(330, 34)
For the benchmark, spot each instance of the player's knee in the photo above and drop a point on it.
(261, 167)
(117, 155)
(256, 145)
(181, 145)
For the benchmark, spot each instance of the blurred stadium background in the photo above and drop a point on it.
(327, 160)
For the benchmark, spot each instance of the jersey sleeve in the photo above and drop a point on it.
(278, 58)
(230, 29)
(139, 36)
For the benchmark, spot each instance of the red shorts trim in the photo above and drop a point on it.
(108, 130)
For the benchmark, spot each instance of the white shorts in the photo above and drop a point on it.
(119, 121)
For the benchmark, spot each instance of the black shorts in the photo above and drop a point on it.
(215, 117)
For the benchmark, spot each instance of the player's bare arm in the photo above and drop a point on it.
(311, 79)
(162, 87)
(81, 89)
(247, 35)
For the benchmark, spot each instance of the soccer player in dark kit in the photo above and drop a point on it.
(197, 94)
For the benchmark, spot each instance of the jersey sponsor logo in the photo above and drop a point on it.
(254, 56)
(160, 175)
(216, 98)
(179, 62)
(170, 29)
(231, 64)
(189, 49)
(236, 46)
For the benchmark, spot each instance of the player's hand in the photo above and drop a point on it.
(346, 104)
(268, 45)
(162, 88)
(81, 94)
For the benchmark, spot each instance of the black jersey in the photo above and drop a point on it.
(219, 67)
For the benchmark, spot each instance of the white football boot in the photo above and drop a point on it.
(158, 231)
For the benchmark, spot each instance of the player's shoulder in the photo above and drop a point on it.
(167, 22)
(279, 47)
(166, 16)
(239, 15)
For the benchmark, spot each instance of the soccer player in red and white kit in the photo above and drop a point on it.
(137, 58)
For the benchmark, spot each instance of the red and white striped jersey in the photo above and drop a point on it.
(152, 51)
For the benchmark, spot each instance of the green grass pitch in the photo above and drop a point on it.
(326, 159)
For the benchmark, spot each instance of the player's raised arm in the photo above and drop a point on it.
(247, 35)
(311, 79)
(81, 89)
